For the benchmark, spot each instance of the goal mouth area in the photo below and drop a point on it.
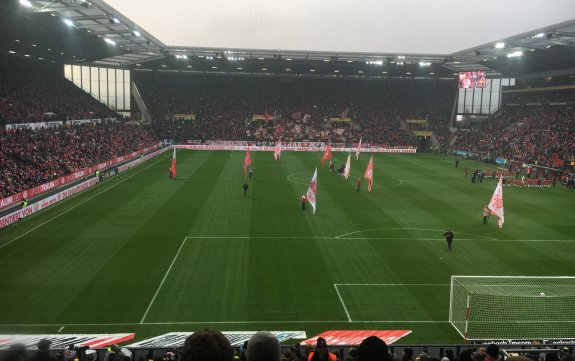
(513, 307)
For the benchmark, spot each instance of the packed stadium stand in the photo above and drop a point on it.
(31, 91)
(223, 108)
(60, 126)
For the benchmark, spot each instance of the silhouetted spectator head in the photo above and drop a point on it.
(372, 349)
(407, 353)
(207, 345)
(492, 351)
(264, 346)
(44, 344)
(16, 352)
(465, 355)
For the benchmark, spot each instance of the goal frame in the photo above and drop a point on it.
(467, 311)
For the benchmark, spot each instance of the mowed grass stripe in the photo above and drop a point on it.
(124, 241)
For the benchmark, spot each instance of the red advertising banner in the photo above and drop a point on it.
(354, 337)
(297, 148)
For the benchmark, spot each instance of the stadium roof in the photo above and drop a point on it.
(430, 38)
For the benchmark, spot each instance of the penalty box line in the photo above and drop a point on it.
(163, 280)
(335, 285)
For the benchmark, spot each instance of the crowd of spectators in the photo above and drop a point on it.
(30, 94)
(526, 134)
(29, 158)
(295, 109)
(212, 345)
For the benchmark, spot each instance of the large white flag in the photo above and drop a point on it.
(358, 150)
(347, 167)
(312, 191)
(278, 151)
(496, 203)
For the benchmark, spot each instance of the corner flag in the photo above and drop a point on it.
(369, 174)
(358, 150)
(247, 161)
(347, 167)
(312, 191)
(173, 167)
(326, 154)
(496, 203)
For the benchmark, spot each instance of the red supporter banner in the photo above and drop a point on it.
(354, 337)
(296, 149)
(42, 188)
(48, 201)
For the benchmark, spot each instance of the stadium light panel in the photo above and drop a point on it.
(26, 55)
(68, 22)
(11, 51)
(26, 3)
(537, 36)
(499, 45)
(115, 21)
(515, 54)
(264, 69)
(136, 33)
(110, 41)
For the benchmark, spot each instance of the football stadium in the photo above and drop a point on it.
(287, 180)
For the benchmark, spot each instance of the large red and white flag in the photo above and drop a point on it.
(312, 191)
(326, 154)
(173, 167)
(247, 161)
(358, 150)
(278, 151)
(347, 169)
(369, 174)
(496, 203)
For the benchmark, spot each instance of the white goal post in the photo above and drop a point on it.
(512, 307)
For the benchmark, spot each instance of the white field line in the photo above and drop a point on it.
(220, 322)
(79, 204)
(410, 229)
(392, 284)
(257, 322)
(163, 280)
(342, 303)
(482, 238)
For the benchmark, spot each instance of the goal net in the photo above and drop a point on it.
(509, 307)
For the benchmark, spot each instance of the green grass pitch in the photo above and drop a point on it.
(147, 254)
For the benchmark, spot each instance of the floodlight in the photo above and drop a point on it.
(499, 45)
(136, 33)
(515, 54)
(110, 41)
(26, 3)
(68, 22)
